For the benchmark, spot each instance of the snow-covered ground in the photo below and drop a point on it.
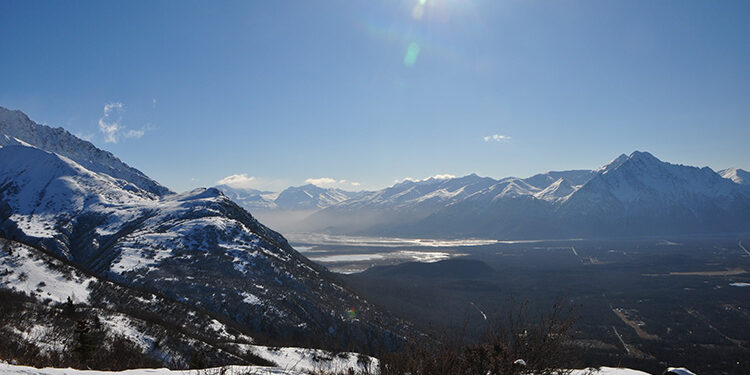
(24, 271)
(313, 360)
(8, 369)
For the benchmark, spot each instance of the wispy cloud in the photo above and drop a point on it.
(496, 138)
(327, 182)
(239, 181)
(109, 123)
(243, 181)
(135, 133)
(322, 181)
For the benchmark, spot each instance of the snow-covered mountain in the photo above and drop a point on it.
(737, 175)
(250, 199)
(198, 248)
(639, 194)
(634, 194)
(310, 196)
(17, 129)
(130, 327)
(312, 208)
(50, 308)
(397, 208)
(295, 198)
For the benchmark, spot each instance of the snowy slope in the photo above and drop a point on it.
(641, 194)
(250, 199)
(121, 313)
(395, 210)
(23, 269)
(17, 129)
(229, 370)
(737, 175)
(314, 360)
(295, 198)
(309, 196)
(198, 247)
(642, 176)
(428, 192)
(44, 323)
(558, 190)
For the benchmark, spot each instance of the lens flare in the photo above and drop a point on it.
(417, 12)
(412, 52)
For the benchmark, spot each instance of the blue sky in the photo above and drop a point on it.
(370, 92)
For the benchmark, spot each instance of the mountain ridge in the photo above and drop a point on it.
(198, 248)
(608, 201)
(17, 129)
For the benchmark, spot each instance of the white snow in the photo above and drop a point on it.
(251, 298)
(23, 272)
(737, 175)
(8, 369)
(310, 360)
(608, 371)
(40, 335)
(17, 129)
(123, 326)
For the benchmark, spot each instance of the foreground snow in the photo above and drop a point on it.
(8, 369)
(609, 371)
(229, 370)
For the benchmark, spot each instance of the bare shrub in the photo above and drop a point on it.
(520, 344)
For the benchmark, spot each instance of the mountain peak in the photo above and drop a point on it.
(614, 164)
(12, 114)
(307, 186)
(737, 175)
(637, 156)
(643, 156)
(18, 129)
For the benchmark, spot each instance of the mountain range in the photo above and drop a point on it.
(295, 198)
(633, 195)
(80, 205)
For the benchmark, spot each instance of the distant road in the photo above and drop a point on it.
(624, 345)
(743, 248)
